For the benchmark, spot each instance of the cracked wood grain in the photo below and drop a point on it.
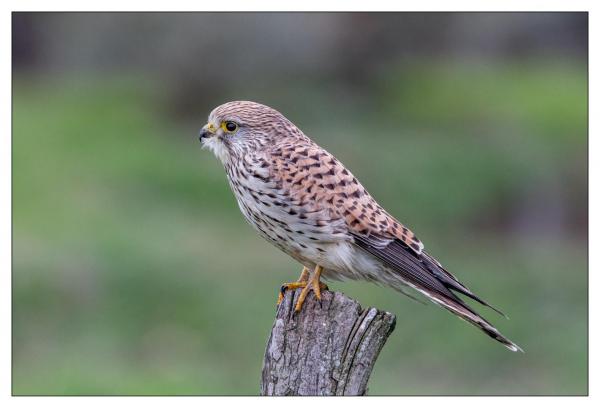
(329, 348)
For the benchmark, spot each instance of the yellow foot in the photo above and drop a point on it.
(300, 283)
(290, 285)
(306, 281)
(314, 283)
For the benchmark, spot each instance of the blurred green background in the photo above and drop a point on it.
(135, 273)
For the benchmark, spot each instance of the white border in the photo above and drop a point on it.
(307, 5)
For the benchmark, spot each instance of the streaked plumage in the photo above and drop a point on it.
(304, 201)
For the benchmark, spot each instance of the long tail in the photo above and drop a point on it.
(469, 315)
(423, 273)
(458, 307)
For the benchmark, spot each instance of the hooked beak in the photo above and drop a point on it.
(207, 131)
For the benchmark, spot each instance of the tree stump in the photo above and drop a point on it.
(329, 348)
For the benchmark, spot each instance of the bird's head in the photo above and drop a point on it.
(239, 127)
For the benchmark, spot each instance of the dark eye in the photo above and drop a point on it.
(231, 126)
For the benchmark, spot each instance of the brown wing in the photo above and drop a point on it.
(383, 236)
(421, 271)
(319, 183)
(317, 180)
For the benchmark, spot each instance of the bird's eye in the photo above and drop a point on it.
(230, 126)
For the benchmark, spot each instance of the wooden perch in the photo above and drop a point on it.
(329, 348)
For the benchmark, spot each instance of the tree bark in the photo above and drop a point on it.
(329, 348)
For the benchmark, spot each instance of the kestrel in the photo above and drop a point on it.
(303, 200)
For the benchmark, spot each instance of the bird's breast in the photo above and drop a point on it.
(300, 230)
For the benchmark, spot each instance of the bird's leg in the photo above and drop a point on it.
(300, 283)
(314, 283)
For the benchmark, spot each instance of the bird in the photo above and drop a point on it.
(304, 201)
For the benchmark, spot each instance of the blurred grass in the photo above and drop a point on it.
(134, 273)
(549, 101)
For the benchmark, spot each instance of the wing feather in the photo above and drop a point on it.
(426, 275)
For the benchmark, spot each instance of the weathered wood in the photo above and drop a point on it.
(329, 348)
